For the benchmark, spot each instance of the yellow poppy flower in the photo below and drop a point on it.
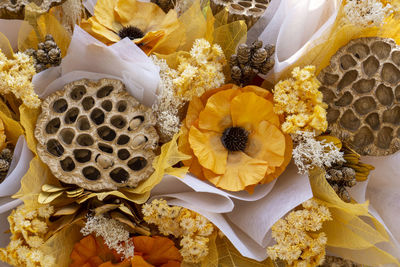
(144, 23)
(235, 138)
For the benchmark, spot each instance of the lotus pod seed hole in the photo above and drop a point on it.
(71, 115)
(119, 175)
(60, 105)
(97, 116)
(55, 148)
(106, 133)
(67, 164)
(135, 122)
(67, 135)
(83, 123)
(53, 126)
(82, 155)
(121, 106)
(87, 103)
(139, 141)
(84, 140)
(105, 148)
(137, 163)
(123, 154)
(381, 49)
(123, 140)
(107, 105)
(105, 91)
(118, 122)
(104, 161)
(91, 173)
(371, 66)
(78, 92)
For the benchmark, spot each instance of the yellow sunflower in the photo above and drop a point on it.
(144, 23)
(235, 138)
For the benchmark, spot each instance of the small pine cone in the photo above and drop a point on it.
(335, 175)
(344, 195)
(233, 61)
(348, 173)
(259, 56)
(257, 44)
(41, 56)
(6, 154)
(4, 165)
(335, 187)
(48, 37)
(270, 49)
(40, 46)
(54, 56)
(49, 45)
(350, 183)
(236, 74)
(267, 66)
(248, 72)
(243, 53)
(40, 67)
(30, 52)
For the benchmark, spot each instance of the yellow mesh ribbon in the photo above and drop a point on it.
(353, 233)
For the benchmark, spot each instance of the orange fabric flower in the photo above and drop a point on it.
(149, 252)
(235, 138)
(144, 23)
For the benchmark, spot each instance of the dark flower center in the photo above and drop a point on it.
(235, 138)
(131, 32)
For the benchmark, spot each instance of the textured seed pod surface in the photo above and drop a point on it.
(14, 9)
(361, 87)
(248, 10)
(96, 135)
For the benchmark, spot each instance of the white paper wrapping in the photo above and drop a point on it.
(89, 58)
(293, 26)
(245, 219)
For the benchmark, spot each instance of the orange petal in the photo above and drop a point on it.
(194, 109)
(241, 171)
(267, 142)
(157, 250)
(249, 109)
(138, 261)
(216, 115)
(150, 40)
(208, 149)
(258, 91)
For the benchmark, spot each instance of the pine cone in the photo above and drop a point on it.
(251, 60)
(47, 55)
(5, 161)
(331, 261)
(340, 177)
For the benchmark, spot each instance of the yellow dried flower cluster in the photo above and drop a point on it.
(297, 243)
(193, 228)
(16, 76)
(199, 72)
(28, 228)
(301, 102)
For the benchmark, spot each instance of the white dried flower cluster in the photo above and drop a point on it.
(114, 233)
(167, 105)
(309, 152)
(366, 13)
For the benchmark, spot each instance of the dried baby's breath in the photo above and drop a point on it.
(366, 12)
(309, 152)
(114, 233)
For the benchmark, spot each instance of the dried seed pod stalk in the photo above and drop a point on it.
(96, 135)
(361, 87)
(248, 10)
(14, 9)
(5, 161)
(47, 55)
(251, 60)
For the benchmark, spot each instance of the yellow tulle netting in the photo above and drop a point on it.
(352, 233)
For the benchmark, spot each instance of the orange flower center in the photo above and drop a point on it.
(131, 32)
(235, 138)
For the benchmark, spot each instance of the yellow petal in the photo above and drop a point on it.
(5, 46)
(145, 16)
(104, 13)
(249, 109)
(241, 171)
(150, 40)
(208, 148)
(194, 109)
(99, 31)
(216, 116)
(267, 143)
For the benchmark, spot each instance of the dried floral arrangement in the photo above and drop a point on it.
(167, 133)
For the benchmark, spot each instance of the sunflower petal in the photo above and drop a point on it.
(104, 13)
(267, 143)
(248, 110)
(216, 115)
(208, 149)
(241, 171)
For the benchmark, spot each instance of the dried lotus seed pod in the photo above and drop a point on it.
(97, 136)
(248, 10)
(14, 9)
(361, 88)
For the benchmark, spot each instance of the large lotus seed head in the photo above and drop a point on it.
(95, 135)
(361, 88)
